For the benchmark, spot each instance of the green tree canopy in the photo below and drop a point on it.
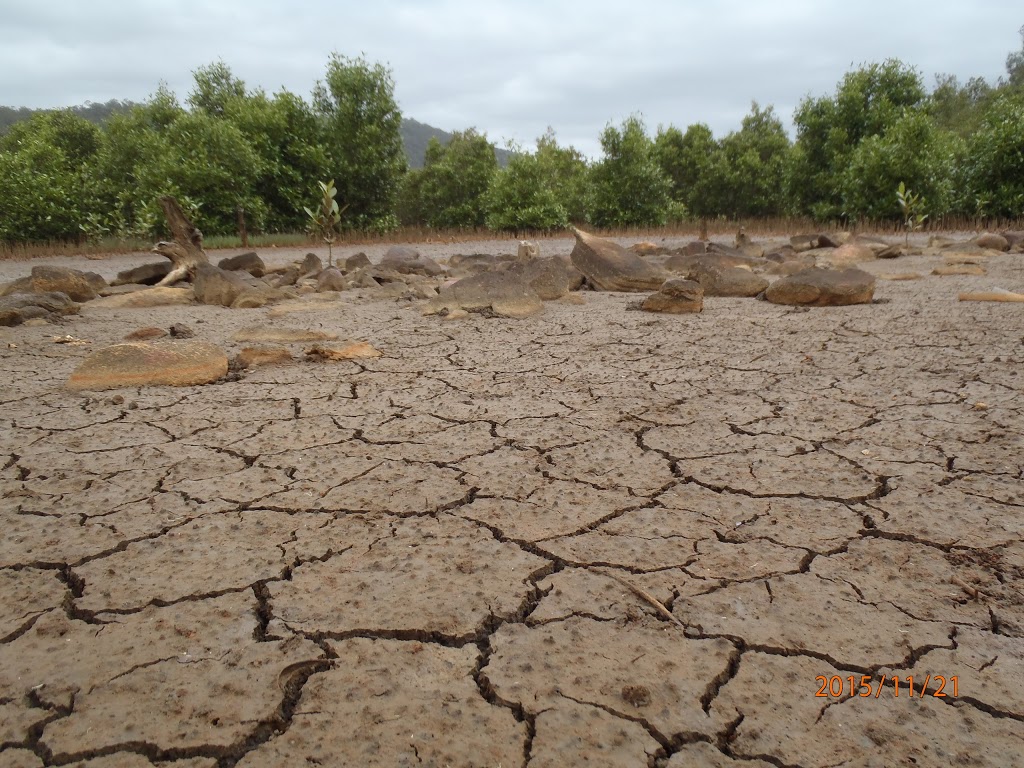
(362, 140)
(455, 178)
(628, 186)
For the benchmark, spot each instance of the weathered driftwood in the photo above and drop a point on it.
(186, 250)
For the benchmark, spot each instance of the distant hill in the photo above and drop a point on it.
(415, 135)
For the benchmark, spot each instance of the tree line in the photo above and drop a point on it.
(960, 147)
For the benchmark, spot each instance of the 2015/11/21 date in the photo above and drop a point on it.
(836, 686)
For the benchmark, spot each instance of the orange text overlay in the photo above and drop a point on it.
(909, 686)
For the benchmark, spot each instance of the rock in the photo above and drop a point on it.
(527, 251)
(959, 269)
(289, 276)
(182, 331)
(330, 279)
(352, 351)
(899, 276)
(810, 242)
(408, 261)
(148, 297)
(260, 295)
(500, 293)
(253, 357)
(691, 249)
(891, 252)
(1014, 239)
(146, 334)
(244, 262)
(731, 281)
(139, 364)
(986, 240)
(550, 278)
(361, 278)
(20, 307)
(475, 263)
(311, 265)
(852, 253)
(686, 263)
(356, 261)
(71, 282)
(676, 297)
(96, 281)
(816, 287)
(610, 267)
(647, 248)
(147, 274)
(261, 333)
(213, 285)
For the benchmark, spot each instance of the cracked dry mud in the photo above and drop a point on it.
(450, 555)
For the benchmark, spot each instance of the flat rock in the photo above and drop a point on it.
(550, 278)
(166, 296)
(730, 281)
(992, 242)
(816, 287)
(500, 293)
(147, 274)
(246, 262)
(137, 364)
(20, 307)
(267, 333)
(853, 252)
(409, 261)
(676, 297)
(610, 267)
(354, 350)
(254, 357)
(72, 282)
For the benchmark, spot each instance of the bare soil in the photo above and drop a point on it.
(757, 536)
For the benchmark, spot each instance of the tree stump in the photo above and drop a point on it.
(186, 250)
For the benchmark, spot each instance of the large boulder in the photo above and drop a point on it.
(147, 274)
(610, 267)
(213, 285)
(498, 293)
(409, 261)
(730, 281)
(72, 282)
(817, 287)
(244, 262)
(19, 307)
(676, 297)
(551, 278)
(140, 364)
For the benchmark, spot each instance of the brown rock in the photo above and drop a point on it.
(527, 251)
(610, 267)
(138, 364)
(20, 307)
(550, 278)
(148, 297)
(213, 285)
(676, 297)
(823, 288)
(244, 262)
(253, 357)
(647, 248)
(311, 265)
(181, 331)
(408, 261)
(146, 334)
(351, 351)
(260, 295)
(330, 279)
(288, 276)
(147, 274)
(70, 282)
(356, 261)
(991, 241)
(500, 293)
(732, 281)
(260, 333)
(959, 269)
(852, 253)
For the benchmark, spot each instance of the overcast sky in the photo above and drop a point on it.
(508, 68)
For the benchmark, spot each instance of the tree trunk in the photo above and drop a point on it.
(186, 251)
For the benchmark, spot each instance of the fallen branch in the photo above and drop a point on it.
(653, 601)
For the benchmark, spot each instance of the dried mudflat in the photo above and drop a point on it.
(453, 554)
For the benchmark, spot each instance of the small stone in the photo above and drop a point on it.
(676, 297)
(182, 331)
(145, 334)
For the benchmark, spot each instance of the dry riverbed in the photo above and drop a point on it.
(756, 536)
